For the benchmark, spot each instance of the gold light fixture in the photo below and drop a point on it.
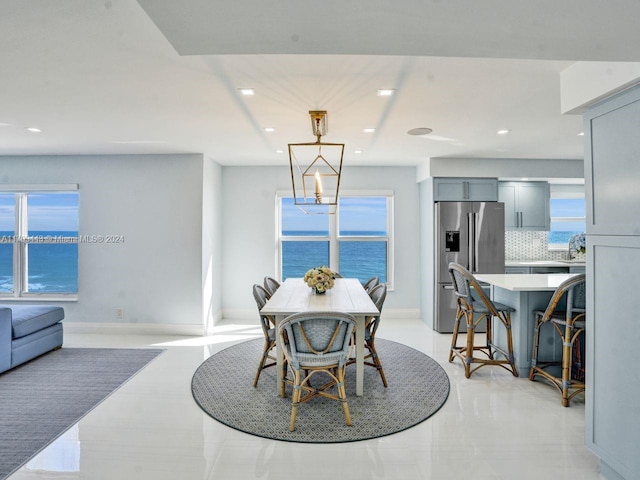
(315, 170)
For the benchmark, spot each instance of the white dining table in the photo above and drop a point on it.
(347, 295)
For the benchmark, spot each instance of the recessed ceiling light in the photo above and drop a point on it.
(369, 130)
(247, 91)
(581, 134)
(386, 92)
(279, 151)
(357, 152)
(33, 129)
(504, 131)
(420, 131)
(269, 129)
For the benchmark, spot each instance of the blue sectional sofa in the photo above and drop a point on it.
(28, 331)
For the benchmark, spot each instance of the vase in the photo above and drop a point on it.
(318, 292)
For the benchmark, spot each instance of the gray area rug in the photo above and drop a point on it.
(418, 387)
(41, 399)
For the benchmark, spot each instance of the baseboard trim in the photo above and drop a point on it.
(134, 328)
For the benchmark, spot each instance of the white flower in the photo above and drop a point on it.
(320, 278)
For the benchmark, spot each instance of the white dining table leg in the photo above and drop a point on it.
(360, 355)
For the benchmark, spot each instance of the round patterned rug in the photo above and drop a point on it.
(418, 387)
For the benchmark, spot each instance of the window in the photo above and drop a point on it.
(38, 243)
(356, 241)
(568, 215)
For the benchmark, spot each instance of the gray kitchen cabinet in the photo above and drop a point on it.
(612, 418)
(517, 270)
(449, 189)
(526, 205)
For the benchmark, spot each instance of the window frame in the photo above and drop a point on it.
(334, 238)
(562, 191)
(21, 240)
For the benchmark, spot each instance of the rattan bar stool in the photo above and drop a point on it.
(317, 343)
(475, 312)
(569, 324)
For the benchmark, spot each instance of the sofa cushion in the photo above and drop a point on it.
(26, 319)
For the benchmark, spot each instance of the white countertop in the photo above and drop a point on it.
(545, 263)
(533, 282)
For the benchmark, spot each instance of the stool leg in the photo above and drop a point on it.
(454, 337)
(507, 324)
(567, 353)
(470, 342)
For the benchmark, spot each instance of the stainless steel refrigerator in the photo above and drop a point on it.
(471, 234)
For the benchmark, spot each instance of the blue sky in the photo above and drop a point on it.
(356, 214)
(47, 211)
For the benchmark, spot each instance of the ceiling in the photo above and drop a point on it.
(159, 76)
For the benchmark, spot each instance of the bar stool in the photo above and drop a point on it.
(463, 284)
(569, 324)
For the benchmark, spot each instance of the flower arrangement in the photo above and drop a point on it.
(578, 243)
(320, 279)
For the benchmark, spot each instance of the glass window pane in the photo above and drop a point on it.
(363, 260)
(561, 232)
(297, 223)
(568, 207)
(53, 213)
(298, 257)
(7, 230)
(363, 216)
(53, 268)
(6, 267)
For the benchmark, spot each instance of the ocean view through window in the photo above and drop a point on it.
(355, 241)
(568, 217)
(38, 243)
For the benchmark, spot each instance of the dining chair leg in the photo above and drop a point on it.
(295, 400)
(342, 393)
(377, 363)
(263, 361)
(512, 360)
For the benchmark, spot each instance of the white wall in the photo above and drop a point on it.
(249, 235)
(211, 243)
(155, 201)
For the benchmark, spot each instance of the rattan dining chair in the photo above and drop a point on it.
(475, 312)
(267, 323)
(378, 294)
(271, 285)
(316, 343)
(568, 320)
(369, 284)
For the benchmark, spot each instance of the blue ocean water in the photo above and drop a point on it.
(358, 259)
(560, 237)
(53, 267)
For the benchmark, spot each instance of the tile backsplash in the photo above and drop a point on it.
(531, 246)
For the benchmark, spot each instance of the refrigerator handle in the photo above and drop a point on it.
(472, 237)
(476, 218)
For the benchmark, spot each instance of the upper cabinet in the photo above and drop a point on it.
(465, 189)
(526, 205)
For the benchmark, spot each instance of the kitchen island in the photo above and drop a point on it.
(526, 293)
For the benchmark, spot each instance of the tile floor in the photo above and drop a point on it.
(493, 426)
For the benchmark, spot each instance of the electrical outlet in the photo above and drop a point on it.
(119, 313)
